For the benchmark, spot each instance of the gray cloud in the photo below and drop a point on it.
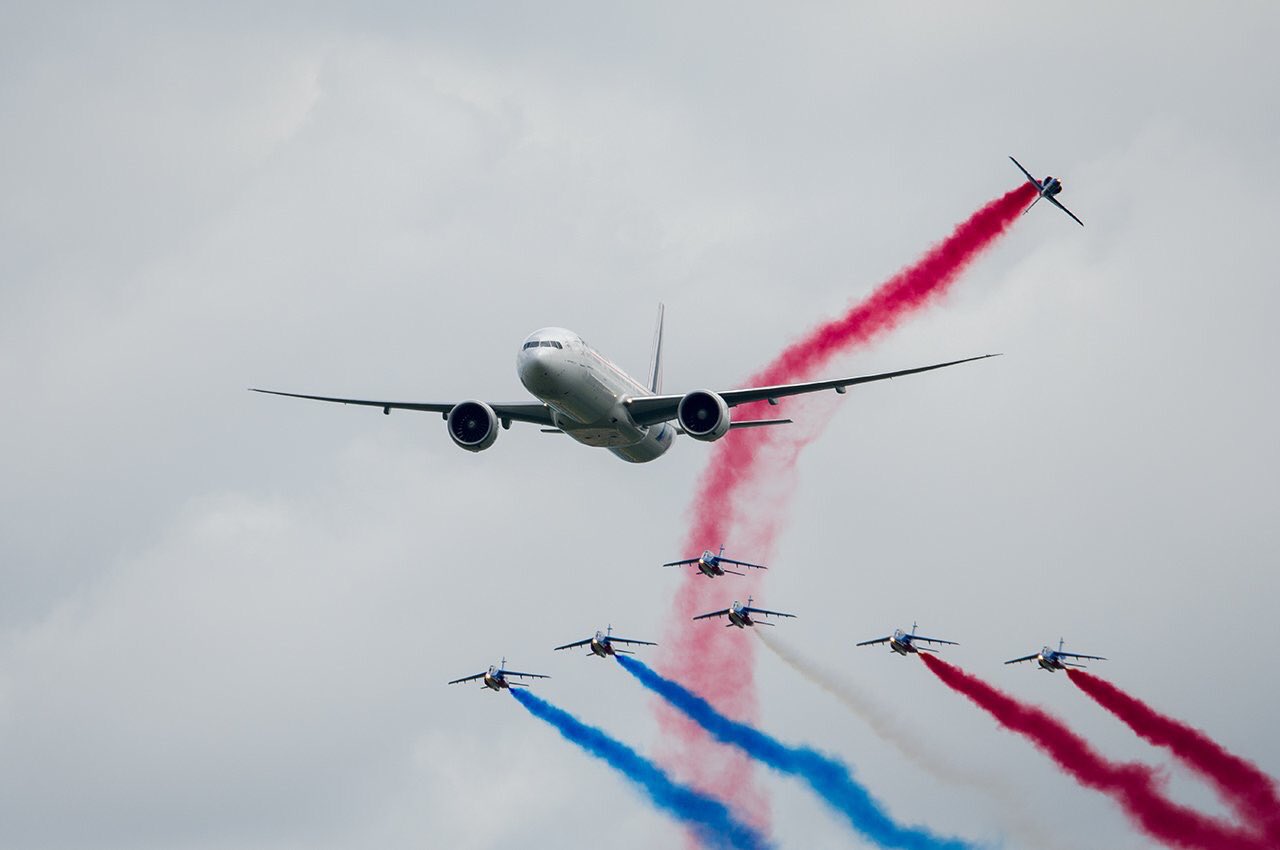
(227, 620)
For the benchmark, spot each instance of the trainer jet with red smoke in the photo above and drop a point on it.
(602, 643)
(1053, 659)
(904, 643)
(1048, 188)
(584, 395)
(495, 678)
(740, 615)
(709, 564)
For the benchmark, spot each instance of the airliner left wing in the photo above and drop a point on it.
(650, 410)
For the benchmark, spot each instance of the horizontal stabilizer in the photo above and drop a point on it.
(756, 423)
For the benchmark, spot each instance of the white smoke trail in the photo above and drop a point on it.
(1021, 828)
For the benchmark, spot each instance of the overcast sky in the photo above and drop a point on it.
(226, 620)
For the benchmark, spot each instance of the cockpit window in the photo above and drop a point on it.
(543, 343)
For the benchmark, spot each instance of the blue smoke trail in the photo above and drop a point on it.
(709, 818)
(831, 779)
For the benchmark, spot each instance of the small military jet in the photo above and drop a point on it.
(903, 643)
(603, 643)
(1048, 187)
(740, 615)
(1052, 659)
(708, 564)
(495, 678)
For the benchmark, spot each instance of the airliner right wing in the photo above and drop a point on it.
(650, 410)
(520, 411)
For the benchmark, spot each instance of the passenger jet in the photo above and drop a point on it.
(586, 396)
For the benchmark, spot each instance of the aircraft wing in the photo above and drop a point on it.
(576, 643)
(744, 563)
(934, 640)
(1024, 171)
(1078, 655)
(682, 563)
(520, 411)
(529, 675)
(1051, 199)
(712, 614)
(884, 639)
(650, 410)
(467, 678)
(629, 640)
(766, 612)
(1023, 658)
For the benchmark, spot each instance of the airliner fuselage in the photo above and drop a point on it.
(587, 394)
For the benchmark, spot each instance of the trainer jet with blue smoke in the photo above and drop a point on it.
(904, 643)
(740, 615)
(1048, 188)
(495, 678)
(584, 395)
(602, 643)
(1052, 659)
(709, 562)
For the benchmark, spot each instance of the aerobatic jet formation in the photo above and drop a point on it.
(495, 678)
(1052, 659)
(904, 643)
(1048, 188)
(602, 644)
(740, 615)
(585, 396)
(709, 564)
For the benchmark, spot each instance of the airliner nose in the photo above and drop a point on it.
(536, 370)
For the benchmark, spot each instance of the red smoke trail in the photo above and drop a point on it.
(1241, 783)
(1134, 786)
(721, 665)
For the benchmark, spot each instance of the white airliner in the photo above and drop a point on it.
(583, 394)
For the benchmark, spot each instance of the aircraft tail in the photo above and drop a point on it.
(655, 364)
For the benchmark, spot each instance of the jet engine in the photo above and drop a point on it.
(703, 415)
(473, 425)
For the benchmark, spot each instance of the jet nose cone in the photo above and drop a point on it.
(537, 370)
